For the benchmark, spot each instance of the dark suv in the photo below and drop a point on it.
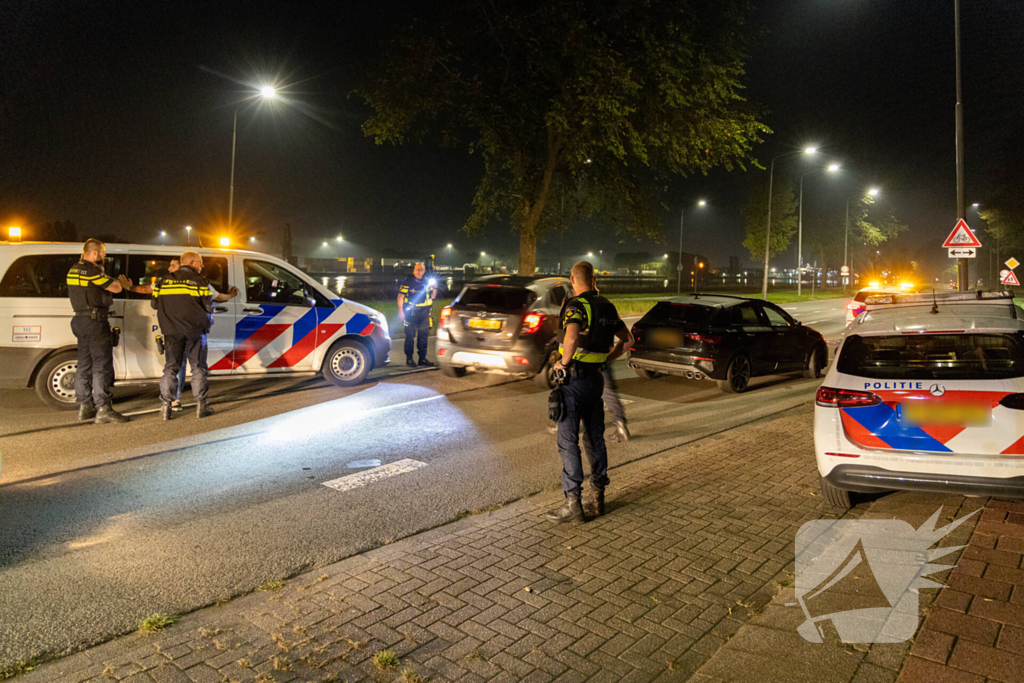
(728, 339)
(503, 323)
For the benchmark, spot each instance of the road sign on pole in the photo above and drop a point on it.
(845, 270)
(969, 252)
(1012, 263)
(962, 236)
(1010, 279)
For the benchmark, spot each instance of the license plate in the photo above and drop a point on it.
(483, 324)
(945, 414)
(666, 338)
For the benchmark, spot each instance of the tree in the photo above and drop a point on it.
(1003, 212)
(755, 216)
(591, 102)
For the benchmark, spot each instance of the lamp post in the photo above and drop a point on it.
(267, 92)
(832, 168)
(873, 192)
(768, 227)
(679, 265)
(961, 211)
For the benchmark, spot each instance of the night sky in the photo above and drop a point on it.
(117, 116)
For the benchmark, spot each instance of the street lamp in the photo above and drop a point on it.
(267, 92)
(872, 192)
(451, 265)
(679, 266)
(832, 168)
(163, 233)
(768, 229)
(339, 238)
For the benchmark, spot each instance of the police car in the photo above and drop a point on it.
(926, 393)
(282, 322)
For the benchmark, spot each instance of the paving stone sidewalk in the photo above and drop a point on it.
(696, 543)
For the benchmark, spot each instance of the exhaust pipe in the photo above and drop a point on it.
(689, 374)
(698, 375)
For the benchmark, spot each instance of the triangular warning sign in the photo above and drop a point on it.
(1011, 279)
(962, 236)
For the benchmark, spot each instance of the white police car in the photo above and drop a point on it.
(282, 322)
(926, 393)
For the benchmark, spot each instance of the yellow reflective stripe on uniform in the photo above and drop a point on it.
(585, 356)
(404, 289)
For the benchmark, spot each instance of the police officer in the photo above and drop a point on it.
(415, 301)
(91, 292)
(590, 335)
(184, 309)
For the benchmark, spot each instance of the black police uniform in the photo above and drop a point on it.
(184, 309)
(419, 300)
(87, 289)
(598, 322)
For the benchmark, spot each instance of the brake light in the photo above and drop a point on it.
(446, 313)
(829, 397)
(636, 332)
(1013, 401)
(707, 338)
(532, 322)
(522, 361)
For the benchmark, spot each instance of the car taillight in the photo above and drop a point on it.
(1013, 401)
(636, 332)
(707, 338)
(845, 398)
(446, 313)
(532, 322)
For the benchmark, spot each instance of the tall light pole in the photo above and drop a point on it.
(267, 92)
(768, 229)
(832, 168)
(961, 209)
(679, 266)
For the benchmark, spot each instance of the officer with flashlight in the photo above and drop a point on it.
(415, 302)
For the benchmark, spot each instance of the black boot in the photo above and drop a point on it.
(410, 362)
(165, 411)
(424, 363)
(107, 414)
(571, 511)
(86, 412)
(203, 409)
(596, 501)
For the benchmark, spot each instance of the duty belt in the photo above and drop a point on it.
(578, 369)
(94, 314)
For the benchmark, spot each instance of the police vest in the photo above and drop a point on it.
(598, 321)
(87, 288)
(184, 303)
(417, 293)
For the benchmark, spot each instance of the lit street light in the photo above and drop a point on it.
(873, 192)
(339, 238)
(267, 92)
(768, 229)
(163, 233)
(252, 239)
(679, 266)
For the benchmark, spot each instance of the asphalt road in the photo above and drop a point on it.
(101, 526)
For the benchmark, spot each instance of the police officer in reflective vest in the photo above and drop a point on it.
(91, 292)
(415, 301)
(184, 309)
(590, 335)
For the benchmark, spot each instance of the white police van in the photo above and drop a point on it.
(282, 322)
(926, 393)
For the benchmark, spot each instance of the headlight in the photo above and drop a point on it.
(381, 322)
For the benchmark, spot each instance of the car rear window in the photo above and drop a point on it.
(495, 298)
(933, 356)
(668, 311)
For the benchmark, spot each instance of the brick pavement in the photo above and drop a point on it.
(696, 542)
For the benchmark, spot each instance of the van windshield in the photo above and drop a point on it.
(933, 356)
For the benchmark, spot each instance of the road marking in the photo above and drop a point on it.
(359, 464)
(791, 308)
(354, 481)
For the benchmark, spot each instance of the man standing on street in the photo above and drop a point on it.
(184, 309)
(415, 301)
(590, 334)
(91, 292)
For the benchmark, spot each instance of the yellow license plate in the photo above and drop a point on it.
(945, 414)
(482, 324)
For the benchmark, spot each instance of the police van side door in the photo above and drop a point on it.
(143, 359)
(115, 265)
(277, 321)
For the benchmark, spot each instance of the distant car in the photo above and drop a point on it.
(856, 307)
(729, 339)
(926, 393)
(504, 324)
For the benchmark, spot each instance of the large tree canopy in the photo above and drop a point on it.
(755, 216)
(595, 103)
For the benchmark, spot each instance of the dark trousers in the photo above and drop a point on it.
(612, 402)
(176, 349)
(95, 373)
(583, 404)
(417, 327)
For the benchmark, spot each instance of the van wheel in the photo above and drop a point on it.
(55, 381)
(646, 374)
(737, 376)
(833, 496)
(816, 361)
(346, 364)
(453, 371)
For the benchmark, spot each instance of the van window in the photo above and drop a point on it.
(267, 283)
(933, 356)
(46, 275)
(146, 269)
